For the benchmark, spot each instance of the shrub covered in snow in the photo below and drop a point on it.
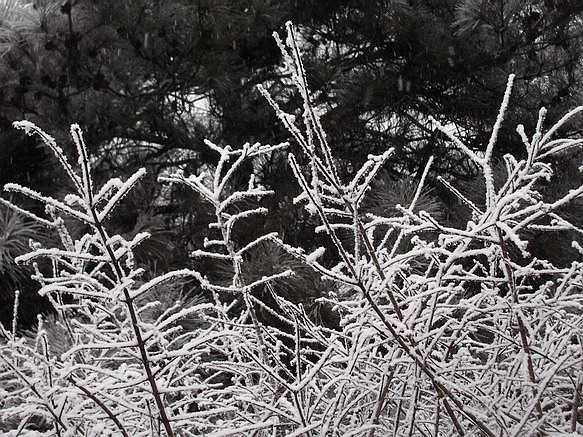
(442, 330)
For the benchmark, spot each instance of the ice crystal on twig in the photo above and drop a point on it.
(442, 329)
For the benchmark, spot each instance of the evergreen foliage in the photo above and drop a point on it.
(148, 81)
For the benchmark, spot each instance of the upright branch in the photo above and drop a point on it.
(427, 314)
(438, 329)
(97, 270)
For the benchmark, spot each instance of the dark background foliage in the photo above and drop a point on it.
(148, 80)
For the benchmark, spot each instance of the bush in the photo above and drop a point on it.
(441, 330)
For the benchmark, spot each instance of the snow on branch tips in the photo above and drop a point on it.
(97, 292)
(427, 285)
(415, 324)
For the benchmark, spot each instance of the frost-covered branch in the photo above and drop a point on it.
(439, 329)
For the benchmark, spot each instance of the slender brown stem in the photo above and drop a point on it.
(369, 248)
(400, 408)
(410, 350)
(384, 390)
(299, 408)
(576, 402)
(414, 401)
(451, 414)
(141, 344)
(521, 326)
(101, 405)
(33, 388)
(239, 282)
(135, 321)
(437, 418)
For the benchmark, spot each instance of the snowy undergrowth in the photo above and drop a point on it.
(443, 330)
